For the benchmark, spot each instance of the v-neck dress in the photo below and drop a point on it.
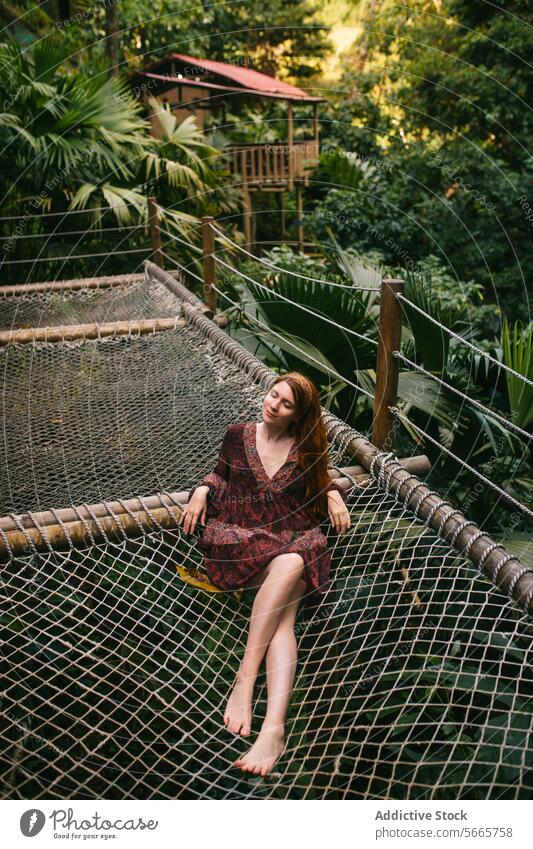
(252, 518)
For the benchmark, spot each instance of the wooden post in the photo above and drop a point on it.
(290, 145)
(247, 217)
(316, 130)
(208, 239)
(387, 366)
(299, 217)
(154, 232)
(282, 216)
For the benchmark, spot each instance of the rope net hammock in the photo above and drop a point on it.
(414, 675)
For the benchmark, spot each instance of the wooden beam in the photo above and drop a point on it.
(84, 532)
(68, 332)
(61, 285)
(101, 509)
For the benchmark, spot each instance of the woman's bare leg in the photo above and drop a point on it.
(281, 659)
(282, 574)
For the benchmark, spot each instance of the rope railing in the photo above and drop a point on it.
(272, 267)
(473, 401)
(464, 341)
(176, 238)
(68, 257)
(56, 214)
(63, 234)
(390, 319)
(170, 259)
(525, 510)
(299, 350)
(297, 305)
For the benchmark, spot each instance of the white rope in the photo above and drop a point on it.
(300, 351)
(186, 269)
(55, 214)
(170, 258)
(395, 411)
(270, 266)
(182, 241)
(477, 404)
(87, 232)
(300, 306)
(70, 256)
(465, 341)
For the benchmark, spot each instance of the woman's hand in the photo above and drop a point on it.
(338, 512)
(194, 510)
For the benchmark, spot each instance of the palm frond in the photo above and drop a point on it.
(517, 345)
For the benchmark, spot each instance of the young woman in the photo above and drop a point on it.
(270, 489)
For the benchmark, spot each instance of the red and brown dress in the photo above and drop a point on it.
(251, 518)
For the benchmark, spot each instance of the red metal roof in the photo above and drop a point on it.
(246, 77)
(169, 78)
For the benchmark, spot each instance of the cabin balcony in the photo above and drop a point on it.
(274, 166)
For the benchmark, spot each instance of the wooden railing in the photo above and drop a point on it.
(274, 163)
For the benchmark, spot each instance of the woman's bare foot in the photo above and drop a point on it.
(264, 753)
(238, 713)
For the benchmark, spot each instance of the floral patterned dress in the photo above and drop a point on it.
(251, 518)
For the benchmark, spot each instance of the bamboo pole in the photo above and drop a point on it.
(100, 510)
(70, 332)
(60, 285)
(155, 233)
(81, 533)
(208, 261)
(81, 525)
(387, 366)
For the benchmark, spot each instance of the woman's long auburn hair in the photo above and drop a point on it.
(311, 438)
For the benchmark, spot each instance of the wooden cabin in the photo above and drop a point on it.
(205, 87)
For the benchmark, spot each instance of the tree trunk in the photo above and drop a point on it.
(112, 30)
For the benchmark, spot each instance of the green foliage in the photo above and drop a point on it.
(75, 141)
(295, 338)
(439, 104)
(432, 343)
(517, 345)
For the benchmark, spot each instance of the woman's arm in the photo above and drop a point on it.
(332, 487)
(337, 509)
(217, 480)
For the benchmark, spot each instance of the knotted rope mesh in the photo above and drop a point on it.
(132, 296)
(414, 674)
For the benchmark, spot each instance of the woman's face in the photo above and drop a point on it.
(279, 408)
